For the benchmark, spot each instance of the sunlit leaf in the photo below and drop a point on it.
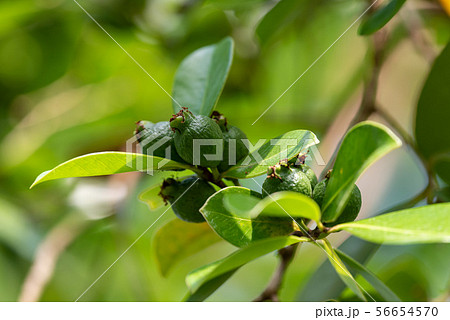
(433, 116)
(376, 283)
(341, 269)
(362, 145)
(106, 163)
(237, 259)
(282, 204)
(425, 224)
(178, 240)
(379, 18)
(285, 146)
(241, 231)
(209, 287)
(201, 77)
(151, 197)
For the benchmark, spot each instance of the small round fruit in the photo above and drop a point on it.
(351, 209)
(187, 196)
(299, 162)
(189, 128)
(284, 178)
(159, 136)
(310, 174)
(233, 138)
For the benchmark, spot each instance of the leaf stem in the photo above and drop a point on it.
(271, 292)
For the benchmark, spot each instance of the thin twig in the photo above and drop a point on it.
(274, 286)
(48, 253)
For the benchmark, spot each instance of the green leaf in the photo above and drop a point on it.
(105, 163)
(281, 15)
(201, 77)
(433, 116)
(151, 197)
(209, 287)
(237, 259)
(383, 290)
(178, 240)
(382, 16)
(364, 143)
(287, 145)
(331, 285)
(341, 269)
(425, 224)
(241, 231)
(280, 204)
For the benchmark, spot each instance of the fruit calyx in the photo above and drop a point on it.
(220, 119)
(178, 119)
(165, 192)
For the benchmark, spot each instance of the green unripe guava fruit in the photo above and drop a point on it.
(187, 196)
(284, 178)
(234, 134)
(351, 209)
(299, 162)
(148, 134)
(187, 128)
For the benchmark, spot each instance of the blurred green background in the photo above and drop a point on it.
(67, 89)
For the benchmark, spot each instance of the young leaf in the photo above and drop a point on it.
(105, 163)
(425, 224)
(178, 240)
(151, 197)
(237, 259)
(280, 204)
(382, 16)
(237, 230)
(331, 285)
(341, 269)
(433, 116)
(362, 145)
(282, 14)
(376, 283)
(209, 287)
(285, 146)
(201, 77)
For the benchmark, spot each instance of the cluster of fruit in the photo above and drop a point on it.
(175, 139)
(188, 194)
(295, 175)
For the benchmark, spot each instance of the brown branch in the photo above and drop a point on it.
(48, 252)
(271, 292)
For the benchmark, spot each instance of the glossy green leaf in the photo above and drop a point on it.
(376, 283)
(178, 240)
(237, 259)
(209, 287)
(362, 145)
(379, 18)
(285, 146)
(433, 116)
(241, 231)
(341, 269)
(201, 77)
(331, 285)
(151, 197)
(425, 224)
(105, 163)
(282, 204)
(281, 15)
